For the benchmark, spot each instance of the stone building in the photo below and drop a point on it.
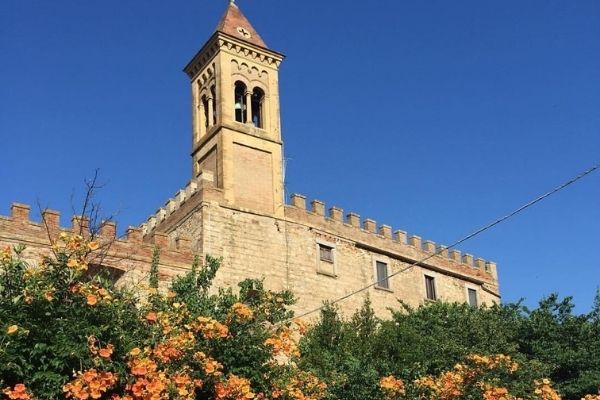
(233, 207)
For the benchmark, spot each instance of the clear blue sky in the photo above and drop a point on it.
(434, 117)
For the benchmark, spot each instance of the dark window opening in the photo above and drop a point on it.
(430, 288)
(258, 96)
(472, 297)
(382, 275)
(205, 109)
(326, 253)
(213, 92)
(240, 102)
(102, 272)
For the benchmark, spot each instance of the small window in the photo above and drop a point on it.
(205, 109)
(257, 104)
(382, 275)
(96, 271)
(241, 108)
(326, 259)
(472, 293)
(430, 288)
(213, 92)
(326, 253)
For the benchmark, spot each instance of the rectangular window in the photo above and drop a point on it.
(430, 288)
(472, 297)
(326, 259)
(325, 253)
(382, 275)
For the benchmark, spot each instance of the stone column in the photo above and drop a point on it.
(199, 120)
(266, 113)
(210, 111)
(248, 108)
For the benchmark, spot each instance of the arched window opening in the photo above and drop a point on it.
(205, 110)
(240, 102)
(213, 92)
(258, 96)
(96, 271)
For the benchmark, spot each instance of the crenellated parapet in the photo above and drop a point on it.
(184, 201)
(384, 239)
(171, 205)
(131, 251)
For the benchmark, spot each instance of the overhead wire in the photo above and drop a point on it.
(460, 241)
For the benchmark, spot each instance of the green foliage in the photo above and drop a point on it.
(244, 353)
(341, 353)
(441, 334)
(154, 264)
(567, 345)
(549, 341)
(53, 321)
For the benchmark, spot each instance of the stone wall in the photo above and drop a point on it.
(285, 252)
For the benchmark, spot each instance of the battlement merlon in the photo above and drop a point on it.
(120, 253)
(382, 238)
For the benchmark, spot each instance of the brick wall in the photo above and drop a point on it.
(129, 254)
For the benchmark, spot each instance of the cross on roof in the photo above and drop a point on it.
(235, 24)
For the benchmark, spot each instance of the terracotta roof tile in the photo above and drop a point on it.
(235, 24)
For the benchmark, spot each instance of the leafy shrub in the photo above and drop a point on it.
(352, 356)
(65, 336)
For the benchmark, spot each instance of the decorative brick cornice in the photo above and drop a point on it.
(221, 40)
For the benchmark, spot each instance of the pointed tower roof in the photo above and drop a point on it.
(235, 24)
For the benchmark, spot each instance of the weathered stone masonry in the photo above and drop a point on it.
(284, 251)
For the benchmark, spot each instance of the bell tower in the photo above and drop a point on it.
(235, 115)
